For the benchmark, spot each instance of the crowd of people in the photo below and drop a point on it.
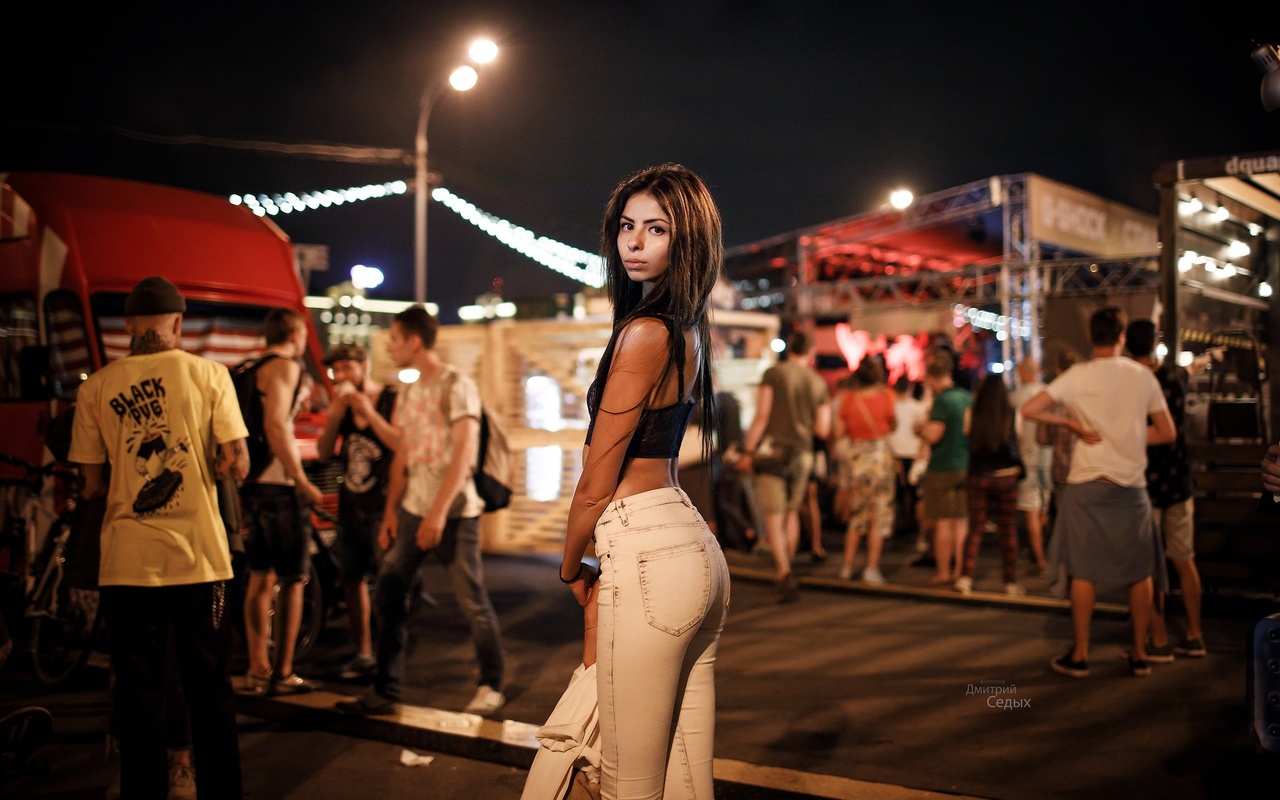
(1084, 469)
(1093, 457)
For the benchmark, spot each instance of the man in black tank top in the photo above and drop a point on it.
(358, 424)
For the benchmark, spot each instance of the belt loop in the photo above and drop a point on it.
(622, 513)
(684, 498)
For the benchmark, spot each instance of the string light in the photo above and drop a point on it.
(580, 265)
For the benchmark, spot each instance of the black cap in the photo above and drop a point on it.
(345, 352)
(154, 295)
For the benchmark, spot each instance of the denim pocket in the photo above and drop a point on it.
(674, 585)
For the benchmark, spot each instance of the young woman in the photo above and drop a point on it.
(995, 468)
(663, 590)
(865, 418)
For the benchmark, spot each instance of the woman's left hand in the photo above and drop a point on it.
(581, 586)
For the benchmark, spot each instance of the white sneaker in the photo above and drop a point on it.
(486, 701)
(872, 576)
(846, 573)
(964, 584)
(1014, 590)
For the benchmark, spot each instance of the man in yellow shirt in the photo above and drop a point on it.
(168, 424)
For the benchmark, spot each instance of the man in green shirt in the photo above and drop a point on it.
(943, 487)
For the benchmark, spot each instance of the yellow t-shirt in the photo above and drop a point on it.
(158, 419)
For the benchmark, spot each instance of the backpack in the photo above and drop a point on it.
(244, 376)
(493, 461)
(493, 465)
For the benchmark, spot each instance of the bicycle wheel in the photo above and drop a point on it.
(64, 629)
(313, 615)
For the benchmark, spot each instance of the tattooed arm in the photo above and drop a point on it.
(232, 460)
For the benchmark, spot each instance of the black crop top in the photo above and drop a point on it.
(659, 431)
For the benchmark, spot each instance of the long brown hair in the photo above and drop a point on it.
(680, 296)
(991, 420)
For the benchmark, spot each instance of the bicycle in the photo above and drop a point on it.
(62, 620)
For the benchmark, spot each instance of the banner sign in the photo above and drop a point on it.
(1088, 224)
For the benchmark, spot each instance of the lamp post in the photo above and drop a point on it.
(461, 79)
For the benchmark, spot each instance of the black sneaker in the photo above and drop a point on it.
(1138, 667)
(369, 703)
(1191, 647)
(1160, 655)
(1063, 665)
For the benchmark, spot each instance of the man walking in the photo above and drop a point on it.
(360, 416)
(278, 515)
(792, 407)
(167, 425)
(1104, 532)
(1169, 487)
(432, 508)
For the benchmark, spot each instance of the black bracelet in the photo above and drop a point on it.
(576, 575)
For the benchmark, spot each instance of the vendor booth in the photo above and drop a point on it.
(1220, 223)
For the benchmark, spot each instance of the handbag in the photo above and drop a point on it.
(772, 456)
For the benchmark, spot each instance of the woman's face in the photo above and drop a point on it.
(644, 238)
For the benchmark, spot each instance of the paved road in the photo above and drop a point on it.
(849, 692)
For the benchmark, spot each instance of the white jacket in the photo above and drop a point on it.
(570, 737)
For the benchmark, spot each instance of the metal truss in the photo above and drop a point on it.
(976, 285)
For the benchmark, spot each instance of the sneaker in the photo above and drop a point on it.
(1191, 647)
(1138, 667)
(964, 584)
(1063, 665)
(924, 560)
(357, 667)
(182, 782)
(846, 573)
(872, 576)
(1014, 590)
(255, 683)
(1159, 655)
(487, 700)
(366, 704)
(292, 684)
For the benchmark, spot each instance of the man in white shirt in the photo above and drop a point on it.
(1106, 530)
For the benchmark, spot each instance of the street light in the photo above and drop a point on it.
(482, 51)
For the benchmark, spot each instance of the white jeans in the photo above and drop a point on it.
(664, 597)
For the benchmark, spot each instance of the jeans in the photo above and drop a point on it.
(459, 553)
(664, 598)
(140, 620)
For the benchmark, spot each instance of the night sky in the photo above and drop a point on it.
(795, 113)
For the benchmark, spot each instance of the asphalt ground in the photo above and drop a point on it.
(853, 691)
